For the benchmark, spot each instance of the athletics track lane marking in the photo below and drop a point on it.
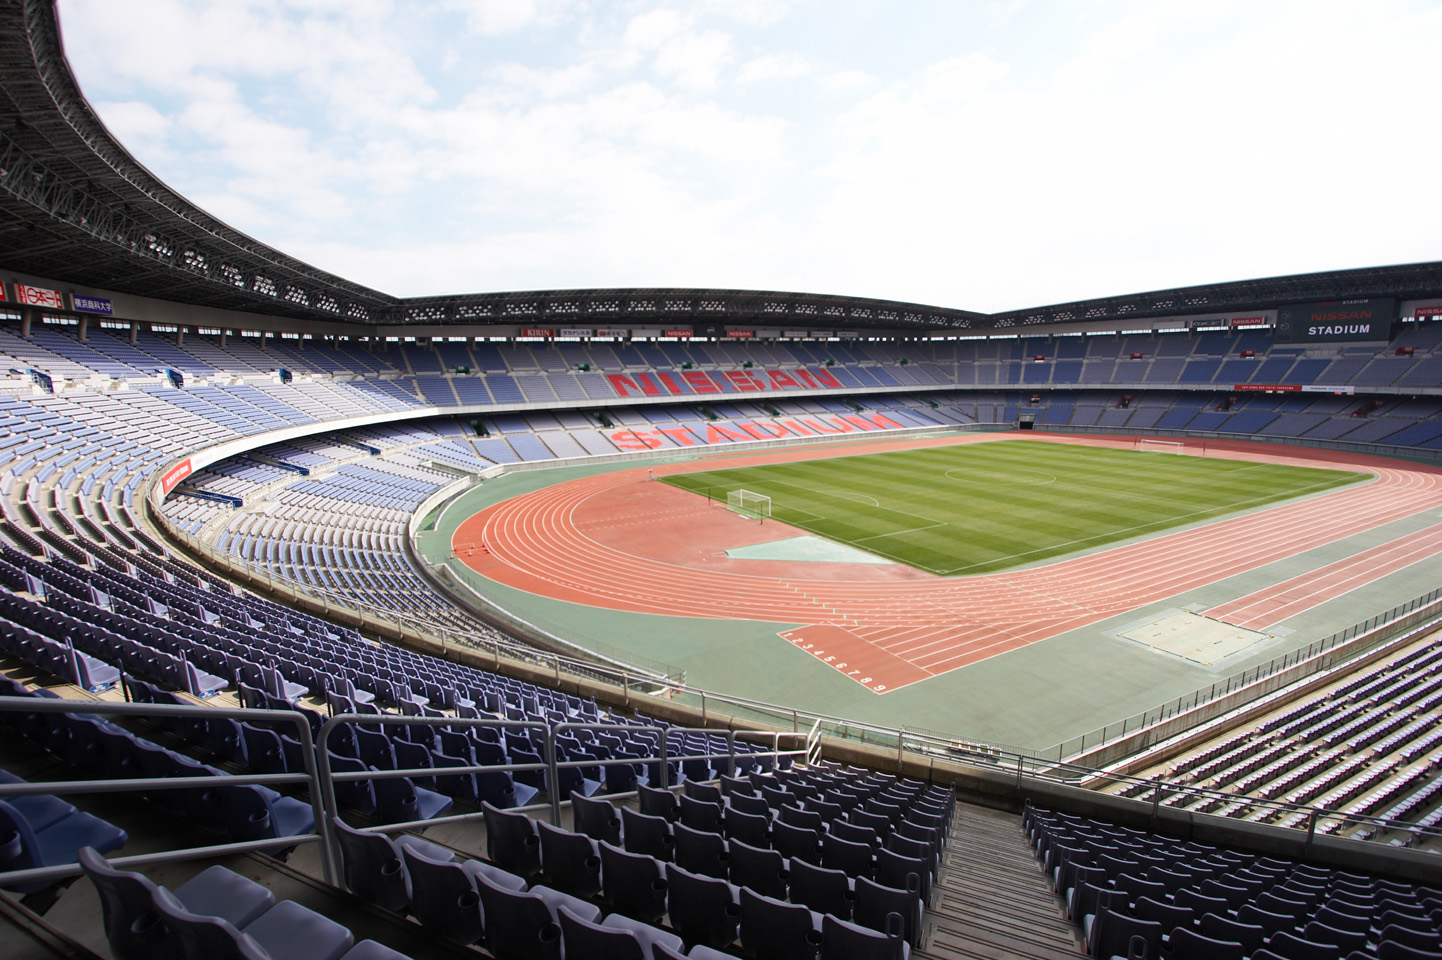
(983, 616)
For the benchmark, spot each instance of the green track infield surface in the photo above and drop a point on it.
(982, 507)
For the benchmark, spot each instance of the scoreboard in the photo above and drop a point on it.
(1336, 321)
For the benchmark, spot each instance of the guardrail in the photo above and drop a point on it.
(310, 779)
(1259, 810)
(1254, 682)
(319, 780)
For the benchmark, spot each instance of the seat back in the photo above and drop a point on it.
(874, 901)
(793, 842)
(596, 818)
(761, 869)
(701, 814)
(645, 834)
(655, 802)
(18, 847)
(841, 940)
(1113, 933)
(773, 930)
(1294, 947)
(1219, 927)
(371, 867)
(205, 938)
(634, 884)
(444, 898)
(359, 795)
(1169, 915)
(512, 842)
(569, 861)
(132, 925)
(702, 909)
(1187, 944)
(904, 873)
(519, 925)
(710, 793)
(823, 890)
(594, 941)
(700, 851)
(751, 828)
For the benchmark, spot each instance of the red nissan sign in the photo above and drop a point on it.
(682, 334)
(1432, 311)
(39, 297)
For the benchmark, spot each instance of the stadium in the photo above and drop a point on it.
(747, 623)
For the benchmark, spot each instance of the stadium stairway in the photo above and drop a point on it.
(990, 899)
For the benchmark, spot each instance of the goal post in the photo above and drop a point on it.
(748, 504)
(1160, 446)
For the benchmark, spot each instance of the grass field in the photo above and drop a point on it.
(982, 507)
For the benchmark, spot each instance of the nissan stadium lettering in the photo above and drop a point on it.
(1336, 320)
(683, 382)
(1338, 331)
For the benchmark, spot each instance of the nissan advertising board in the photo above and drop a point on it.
(1336, 321)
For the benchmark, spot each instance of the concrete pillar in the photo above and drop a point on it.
(134, 333)
(27, 317)
(84, 328)
(179, 335)
(222, 336)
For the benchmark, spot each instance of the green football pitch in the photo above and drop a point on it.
(982, 507)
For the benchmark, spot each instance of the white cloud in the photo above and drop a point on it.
(649, 30)
(695, 60)
(775, 66)
(848, 82)
(496, 17)
(1026, 153)
(754, 13)
(136, 123)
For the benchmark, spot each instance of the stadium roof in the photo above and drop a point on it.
(75, 206)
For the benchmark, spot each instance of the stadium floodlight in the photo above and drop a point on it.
(748, 504)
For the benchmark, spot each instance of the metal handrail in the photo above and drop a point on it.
(310, 778)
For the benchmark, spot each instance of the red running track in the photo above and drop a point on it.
(1274, 604)
(882, 631)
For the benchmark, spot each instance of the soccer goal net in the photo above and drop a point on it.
(1160, 446)
(748, 504)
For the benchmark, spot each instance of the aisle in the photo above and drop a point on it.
(991, 900)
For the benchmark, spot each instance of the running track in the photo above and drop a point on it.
(887, 634)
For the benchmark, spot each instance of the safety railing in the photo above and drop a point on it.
(1269, 812)
(319, 780)
(551, 763)
(1421, 613)
(329, 777)
(309, 779)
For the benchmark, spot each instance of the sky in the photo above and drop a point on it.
(984, 155)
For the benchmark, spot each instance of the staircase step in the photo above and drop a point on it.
(991, 900)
